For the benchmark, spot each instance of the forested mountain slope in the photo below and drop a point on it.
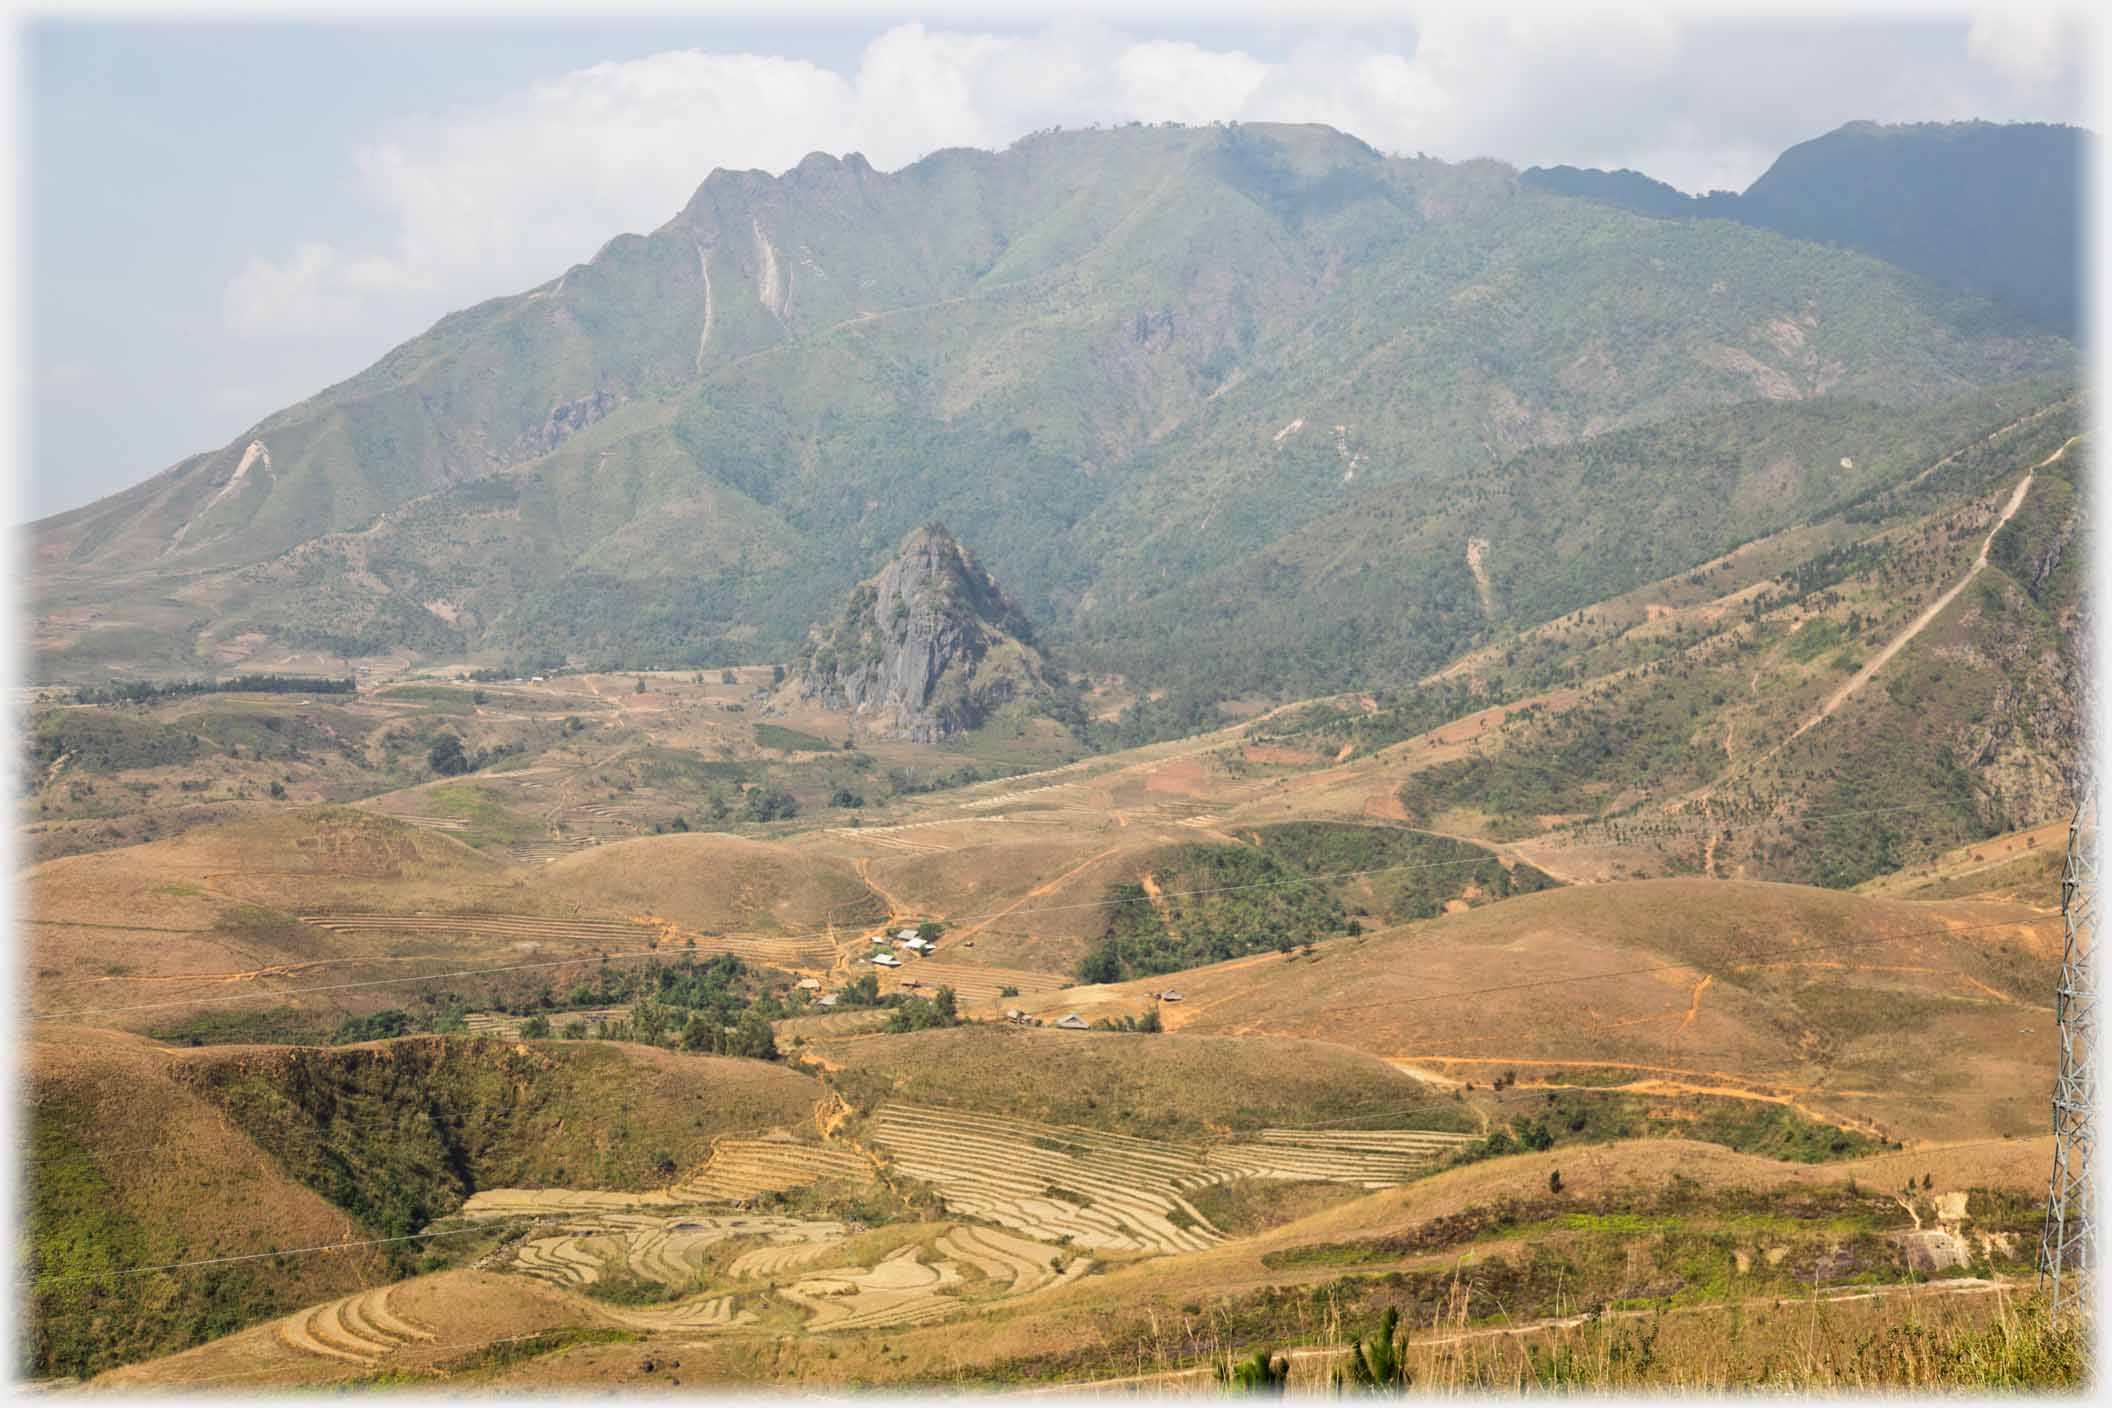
(1985, 208)
(1112, 360)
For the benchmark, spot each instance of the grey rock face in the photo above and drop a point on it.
(925, 650)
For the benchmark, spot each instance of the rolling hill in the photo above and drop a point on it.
(1923, 1020)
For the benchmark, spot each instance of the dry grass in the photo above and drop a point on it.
(711, 884)
(1922, 1020)
(1149, 1086)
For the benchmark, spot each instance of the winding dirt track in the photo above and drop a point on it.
(1935, 609)
(1883, 657)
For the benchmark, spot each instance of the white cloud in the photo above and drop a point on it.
(2025, 43)
(498, 198)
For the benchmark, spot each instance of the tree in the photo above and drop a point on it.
(768, 804)
(726, 677)
(1152, 1021)
(648, 1020)
(1101, 965)
(1554, 1181)
(777, 674)
(752, 1037)
(536, 1027)
(446, 756)
(641, 685)
(1379, 1363)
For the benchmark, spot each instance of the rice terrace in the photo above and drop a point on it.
(1185, 757)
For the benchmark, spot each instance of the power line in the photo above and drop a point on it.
(203, 1262)
(560, 1216)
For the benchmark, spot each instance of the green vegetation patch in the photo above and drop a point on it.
(1214, 903)
(789, 740)
(401, 1133)
(97, 741)
(1592, 1116)
(87, 1307)
(1409, 875)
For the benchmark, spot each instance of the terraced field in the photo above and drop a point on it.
(706, 1312)
(921, 1281)
(665, 1248)
(1117, 1193)
(806, 953)
(1373, 1159)
(1012, 1266)
(971, 982)
(428, 823)
(1099, 1190)
(508, 1024)
(357, 1329)
(739, 1169)
(827, 1022)
(900, 1290)
(766, 1262)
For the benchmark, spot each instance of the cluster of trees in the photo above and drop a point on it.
(916, 1014)
(1218, 902)
(449, 758)
(715, 1005)
(905, 782)
(141, 692)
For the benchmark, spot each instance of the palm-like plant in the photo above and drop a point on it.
(1263, 1373)
(1379, 1363)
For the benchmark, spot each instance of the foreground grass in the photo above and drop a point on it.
(1930, 1343)
(1694, 1287)
(1974, 1338)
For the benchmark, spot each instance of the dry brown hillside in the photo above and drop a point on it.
(1925, 1020)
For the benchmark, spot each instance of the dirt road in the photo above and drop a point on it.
(1935, 609)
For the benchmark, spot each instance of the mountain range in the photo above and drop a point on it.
(1133, 368)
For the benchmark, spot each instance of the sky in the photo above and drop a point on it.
(226, 216)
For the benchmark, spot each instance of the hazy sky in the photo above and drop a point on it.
(226, 217)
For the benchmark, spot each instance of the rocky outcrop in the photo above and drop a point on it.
(927, 649)
(560, 425)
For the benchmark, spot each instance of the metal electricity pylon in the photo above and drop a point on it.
(2068, 1246)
